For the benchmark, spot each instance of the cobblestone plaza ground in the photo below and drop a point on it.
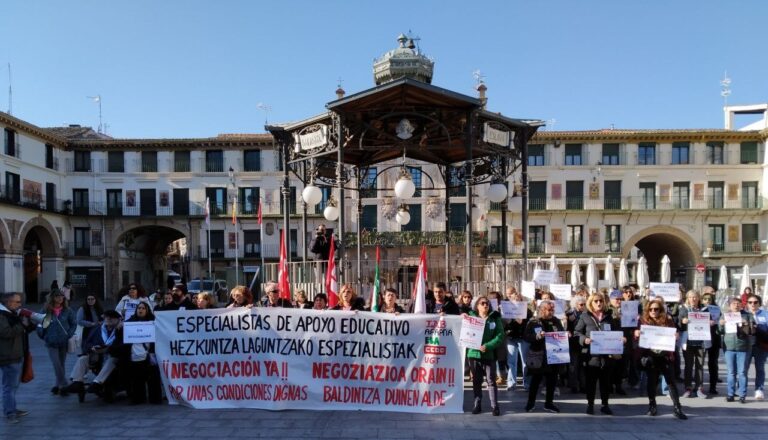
(63, 418)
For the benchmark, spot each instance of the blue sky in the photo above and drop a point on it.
(197, 68)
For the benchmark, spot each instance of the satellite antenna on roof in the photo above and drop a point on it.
(97, 99)
(266, 109)
(725, 88)
(479, 77)
(10, 91)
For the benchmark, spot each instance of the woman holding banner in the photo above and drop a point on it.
(389, 302)
(348, 299)
(240, 296)
(538, 368)
(599, 367)
(693, 349)
(656, 362)
(482, 362)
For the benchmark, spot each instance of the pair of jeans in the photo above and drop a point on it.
(11, 381)
(58, 356)
(759, 355)
(515, 348)
(737, 363)
(487, 368)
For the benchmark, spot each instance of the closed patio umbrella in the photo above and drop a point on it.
(666, 272)
(592, 275)
(623, 273)
(642, 273)
(610, 276)
(575, 275)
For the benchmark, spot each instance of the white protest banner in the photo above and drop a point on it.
(603, 284)
(698, 326)
(732, 321)
(669, 291)
(472, 328)
(557, 348)
(629, 313)
(514, 309)
(138, 332)
(494, 303)
(528, 289)
(561, 291)
(277, 359)
(657, 338)
(606, 343)
(544, 277)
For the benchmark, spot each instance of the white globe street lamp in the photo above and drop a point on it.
(403, 217)
(404, 188)
(497, 192)
(331, 212)
(311, 195)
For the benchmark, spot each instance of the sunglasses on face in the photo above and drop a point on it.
(752, 302)
(598, 301)
(132, 288)
(273, 291)
(482, 303)
(654, 309)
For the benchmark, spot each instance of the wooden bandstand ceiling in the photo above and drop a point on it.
(438, 118)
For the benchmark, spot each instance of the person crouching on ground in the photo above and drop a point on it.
(104, 341)
(482, 361)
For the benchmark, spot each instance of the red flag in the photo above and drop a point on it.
(331, 280)
(420, 284)
(282, 270)
(259, 213)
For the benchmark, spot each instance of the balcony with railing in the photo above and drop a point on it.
(79, 250)
(640, 203)
(743, 247)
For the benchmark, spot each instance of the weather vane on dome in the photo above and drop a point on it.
(414, 39)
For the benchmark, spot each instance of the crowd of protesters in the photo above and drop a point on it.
(512, 355)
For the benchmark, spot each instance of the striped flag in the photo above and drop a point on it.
(258, 214)
(331, 279)
(234, 210)
(376, 285)
(207, 212)
(420, 284)
(282, 270)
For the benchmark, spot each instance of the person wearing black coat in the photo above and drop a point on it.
(141, 364)
(576, 377)
(598, 317)
(273, 298)
(545, 322)
(442, 303)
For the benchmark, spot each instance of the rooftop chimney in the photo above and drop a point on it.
(481, 88)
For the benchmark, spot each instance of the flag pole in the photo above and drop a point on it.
(208, 223)
(237, 247)
(261, 239)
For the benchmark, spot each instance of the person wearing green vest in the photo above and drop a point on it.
(482, 362)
